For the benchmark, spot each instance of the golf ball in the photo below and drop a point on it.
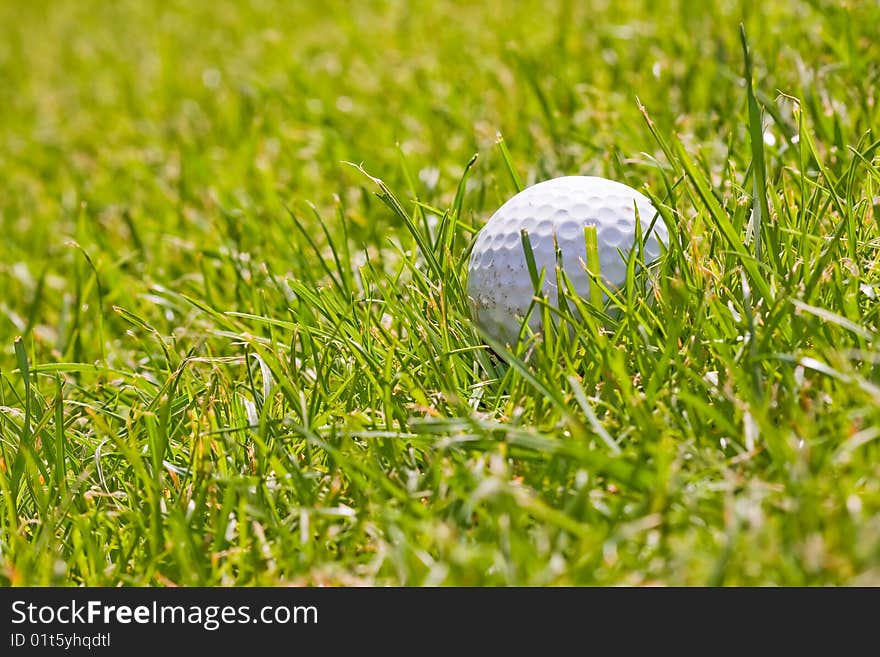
(499, 283)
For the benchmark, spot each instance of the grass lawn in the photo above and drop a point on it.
(235, 345)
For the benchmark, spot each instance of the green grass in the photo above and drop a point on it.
(229, 357)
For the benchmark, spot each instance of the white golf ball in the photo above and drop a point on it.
(499, 283)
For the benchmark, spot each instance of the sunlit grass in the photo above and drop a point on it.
(235, 345)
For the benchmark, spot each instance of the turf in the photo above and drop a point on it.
(235, 346)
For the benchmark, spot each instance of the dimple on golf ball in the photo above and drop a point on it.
(499, 283)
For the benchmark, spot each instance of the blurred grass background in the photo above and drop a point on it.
(151, 133)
